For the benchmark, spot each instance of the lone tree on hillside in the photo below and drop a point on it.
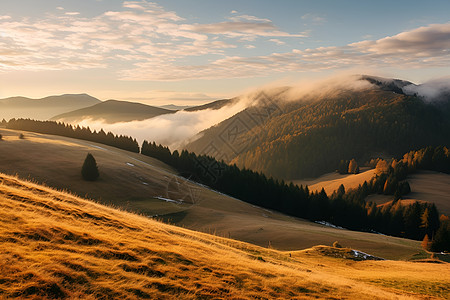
(89, 171)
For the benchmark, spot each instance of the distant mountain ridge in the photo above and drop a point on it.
(174, 107)
(113, 111)
(44, 108)
(218, 104)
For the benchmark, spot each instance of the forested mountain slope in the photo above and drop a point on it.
(309, 136)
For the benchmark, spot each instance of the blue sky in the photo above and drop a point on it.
(186, 52)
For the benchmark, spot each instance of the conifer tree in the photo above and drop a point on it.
(89, 171)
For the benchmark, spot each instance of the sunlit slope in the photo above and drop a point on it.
(54, 245)
(330, 182)
(142, 184)
(426, 186)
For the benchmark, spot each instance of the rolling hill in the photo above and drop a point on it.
(45, 108)
(145, 185)
(293, 137)
(56, 246)
(113, 111)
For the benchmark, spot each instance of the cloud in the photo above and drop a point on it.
(432, 91)
(241, 26)
(422, 47)
(249, 18)
(142, 34)
(277, 41)
(423, 42)
(315, 19)
(144, 41)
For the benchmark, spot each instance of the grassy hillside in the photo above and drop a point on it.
(331, 181)
(311, 135)
(42, 109)
(141, 184)
(426, 186)
(54, 245)
(113, 111)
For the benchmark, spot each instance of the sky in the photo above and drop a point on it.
(189, 52)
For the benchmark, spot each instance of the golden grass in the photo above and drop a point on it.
(55, 245)
(331, 181)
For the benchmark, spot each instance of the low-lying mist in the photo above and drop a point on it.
(431, 91)
(175, 130)
(170, 129)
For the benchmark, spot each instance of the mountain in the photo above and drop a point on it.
(174, 107)
(309, 135)
(385, 84)
(218, 104)
(44, 108)
(147, 186)
(113, 111)
(58, 246)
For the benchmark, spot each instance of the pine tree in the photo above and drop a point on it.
(89, 171)
(441, 240)
(343, 167)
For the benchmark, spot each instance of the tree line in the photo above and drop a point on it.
(344, 208)
(82, 133)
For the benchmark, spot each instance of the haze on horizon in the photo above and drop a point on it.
(192, 52)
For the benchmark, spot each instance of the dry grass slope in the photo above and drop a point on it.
(54, 245)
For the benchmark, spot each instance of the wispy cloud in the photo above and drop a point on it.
(277, 41)
(238, 28)
(144, 41)
(143, 33)
(422, 47)
(315, 19)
